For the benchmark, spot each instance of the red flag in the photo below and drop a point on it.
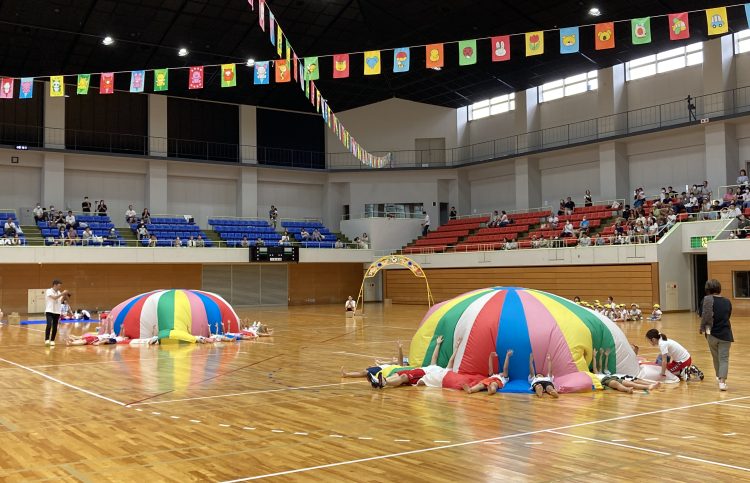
(6, 88)
(262, 15)
(604, 36)
(500, 48)
(340, 66)
(195, 79)
(282, 70)
(107, 83)
(679, 26)
(296, 63)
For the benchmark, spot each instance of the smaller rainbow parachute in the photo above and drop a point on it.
(529, 322)
(174, 314)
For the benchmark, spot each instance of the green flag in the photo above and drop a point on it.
(641, 28)
(82, 87)
(467, 52)
(161, 80)
(312, 71)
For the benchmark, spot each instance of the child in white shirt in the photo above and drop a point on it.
(656, 313)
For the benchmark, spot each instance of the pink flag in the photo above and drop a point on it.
(6, 88)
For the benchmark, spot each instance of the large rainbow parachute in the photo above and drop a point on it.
(528, 321)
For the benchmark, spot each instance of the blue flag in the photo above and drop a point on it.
(272, 27)
(569, 40)
(137, 79)
(401, 58)
(261, 73)
(747, 12)
(26, 91)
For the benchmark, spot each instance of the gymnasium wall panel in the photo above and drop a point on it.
(118, 190)
(489, 194)
(22, 187)
(293, 200)
(323, 283)
(723, 271)
(626, 283)
(201, 197)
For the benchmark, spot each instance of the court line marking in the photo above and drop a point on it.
(734, 405)
(742, 468)
(470, 443)
(355, 354)
(613, 443)
(262, 391)
(71, 386)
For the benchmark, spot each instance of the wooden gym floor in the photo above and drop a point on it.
(277, 409)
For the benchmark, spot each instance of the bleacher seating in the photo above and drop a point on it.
(232, 230)
(295, 227)
(167, 229)
(100, 227)
(4, 217)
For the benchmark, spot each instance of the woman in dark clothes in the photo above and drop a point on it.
(715, 313)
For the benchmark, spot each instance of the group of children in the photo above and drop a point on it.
(674, 362)
(620, 312)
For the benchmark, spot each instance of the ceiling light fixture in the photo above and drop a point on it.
(250, 62)
(108, 40)
(595, 11)
(182, 52)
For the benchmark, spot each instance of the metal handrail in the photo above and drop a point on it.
(40, 241)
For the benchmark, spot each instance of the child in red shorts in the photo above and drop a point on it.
(495, 381)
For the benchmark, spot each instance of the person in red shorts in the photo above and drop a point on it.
(495, 381)
(431, 376)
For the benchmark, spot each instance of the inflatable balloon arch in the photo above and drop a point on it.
(394, 260)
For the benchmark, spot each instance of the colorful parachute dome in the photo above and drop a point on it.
(528, 321)
(174, 314)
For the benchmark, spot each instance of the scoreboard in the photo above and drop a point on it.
(274, 254)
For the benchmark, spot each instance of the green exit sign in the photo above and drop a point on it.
(700, 241)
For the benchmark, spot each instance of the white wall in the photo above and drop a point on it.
(570, 109)
(118, 190)
(384, 233)
(202, 198)
(493, 187)
(21, 186)
(666, 87)
(569, 174)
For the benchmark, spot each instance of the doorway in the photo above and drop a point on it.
(700, 276)
(443, 213)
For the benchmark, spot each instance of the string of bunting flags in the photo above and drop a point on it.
(289, 67)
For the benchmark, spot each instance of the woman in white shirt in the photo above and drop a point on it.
(679, 357)
(53, 307)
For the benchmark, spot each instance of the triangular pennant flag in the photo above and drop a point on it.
(604, 36)
(272, 27)
(228, 75)
(260, 74)
(467, 52)
(372, 62)
(434, 53)
(679, 26)
(27, 88)
(401, 59)
(569, 40)
(341, 66)
(83, 83)
(500, 48)
(718, 22)
(195, 77)
(280, 41)
(262, 15)
(137, 79)
(57, 86)
(6, 88)
(534, 43)
(282, 71)
(641, 30)
(252, 4)
(107, 83)
(161, 80)
(311, 68)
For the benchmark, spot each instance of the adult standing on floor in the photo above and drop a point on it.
(715, 313)
(53, 298)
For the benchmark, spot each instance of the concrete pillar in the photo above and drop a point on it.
(54, 120)
(157, 125)
(528, 183)
(156, 187)
(247, 193)
(335, 196)
(528, 120)
(460, 193)
(722, 155)
(53, 180)
(614, 172)
(248, 135)
(718, 76)
(612, 99)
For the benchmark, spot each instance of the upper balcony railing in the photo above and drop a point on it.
(663, 116)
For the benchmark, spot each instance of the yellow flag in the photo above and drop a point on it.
(534, 43)
(57, 86)
(279, 40)
(718, 22)
(372, 62)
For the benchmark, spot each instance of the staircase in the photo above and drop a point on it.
(130, 239)
(33, 235)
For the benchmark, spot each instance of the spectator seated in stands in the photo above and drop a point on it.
(554, 221)
(191, 242)
(678, 204)
(584, 225)
(316, 236)
(729, 198)
(145, 216)
(742, 179)
(112, 235)
(177, 242)
(568, 230)
(38, 212)
(693, 204)
(453, 214)
(87, 237)
(70, 220)
(304, 235)
(510, 245)
(360, 244)
(653, 230)
(599, 241)
(244, 243)
(72, 238)
(534, 242)
(259, 242)
(142, 231)
(743, 226)
(130, 215)
(338, 244)
(639, 197)
(731, 212)
(152, 241)
(584, 240)
(569, 206)
(10, 228)
(365, 238)
(494, 219)
(200, 242)
(504, 220)
(284, 241)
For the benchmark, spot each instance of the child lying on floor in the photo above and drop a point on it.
(380, 365)
(539, 382)
(620, 382)
(494, 381)
(95, 339)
